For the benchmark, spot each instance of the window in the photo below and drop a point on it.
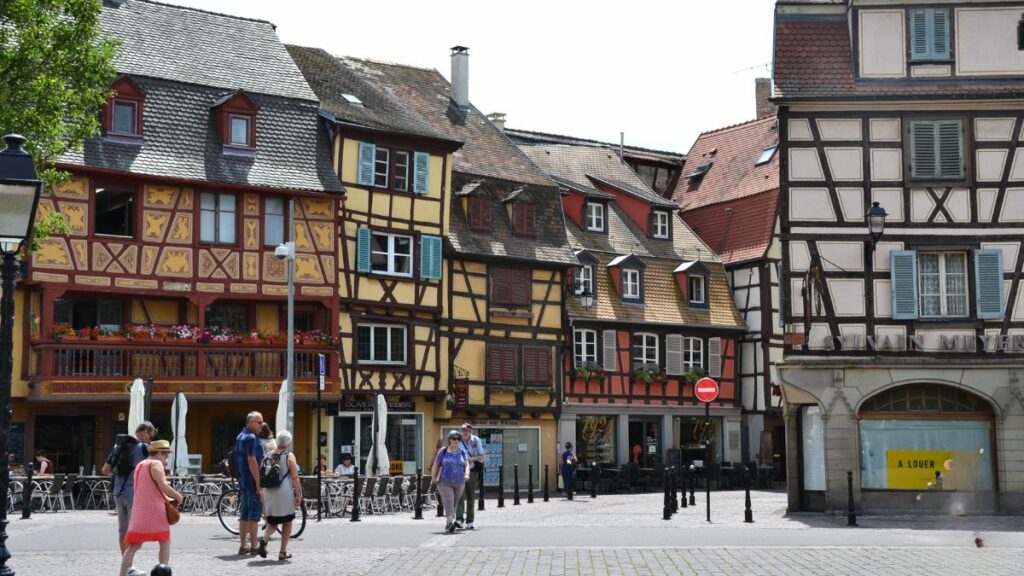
(645, 349)
(240, 130)
(695, 287)
(380, 168)
(766, 155)
(585, 280)
(401, 180)
(524, 220)
(595, 216)
(501, 364)
(124, 115)
(217, 218)
(273, 221)
(693, 353)
(381, 344)
(536, 365)
(480, 214)
(114, 214)
(585, 342)
(510, 286)
(929, 34)
(391, 254)
(699, 172)
(660, 227)
(631, 284)
(943, 284)
(85, 313)
(936, 149)
(234, 317)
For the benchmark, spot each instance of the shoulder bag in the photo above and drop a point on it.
(170, 506)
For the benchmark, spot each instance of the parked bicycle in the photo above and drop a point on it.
(227, 513)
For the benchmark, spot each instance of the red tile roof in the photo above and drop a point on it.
(743, 234)
(733, 152)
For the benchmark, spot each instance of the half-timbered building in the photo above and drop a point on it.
(168, 272)
(649, 313)
(903, 345)
(728, 195)
(396, 171)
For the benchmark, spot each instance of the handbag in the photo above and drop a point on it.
(170, 506)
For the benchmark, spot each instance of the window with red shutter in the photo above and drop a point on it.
(524, 220)
(520, 290)
(480, 214)
(537, 365)
(501, 364)
(501, 285)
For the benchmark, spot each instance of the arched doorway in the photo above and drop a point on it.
(927, 437)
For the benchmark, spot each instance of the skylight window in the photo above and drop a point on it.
(766, 155)
(352, 99)
(700, 171)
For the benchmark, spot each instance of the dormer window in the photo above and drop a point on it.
(124, 118)
(236, 116)
(697, 290)
(480, 214)
(595, 216)
(524, 219)
(630, 284)
(584, 280)
(122, 115)
(240, 130)
(660, 224)
(929, 34)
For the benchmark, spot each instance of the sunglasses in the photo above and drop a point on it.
(455, 438)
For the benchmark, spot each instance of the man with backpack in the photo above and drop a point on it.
(128, 451)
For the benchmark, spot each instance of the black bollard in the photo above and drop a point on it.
(546, 495)
(693, 486)
(674, 487)
(26, 493)
(480, 500)
(748, 514)
(568, 486)
(682, 485)
(160, 570)
(595, 475)
(851, 516)
(515, 485)
(418, 508)
(501, 486)
(666, 508)
(356, 491)
(529, 485)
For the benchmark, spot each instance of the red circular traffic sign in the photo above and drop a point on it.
(706, 390)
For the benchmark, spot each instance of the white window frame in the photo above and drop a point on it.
(247, 143)
(693, 353)
(660, 224)
(584, 346)
(217, 212)
(389, 330)
(391, 252)
(271, 219)
(943, 303)
(631, 284)
(134, 130)
(701, 295)
(401, 180)
(642, 350)
(378, 163)
(585, 281)
(595, 217)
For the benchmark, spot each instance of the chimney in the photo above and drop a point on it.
(498, 119)
(460, 76)
(762, 92)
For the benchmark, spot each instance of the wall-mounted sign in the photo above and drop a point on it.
(461, 394)
(368, 404)
(933, 343)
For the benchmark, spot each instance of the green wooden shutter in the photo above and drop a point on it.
(430, 257)
(923, 163)
(367, 155)
(918, 35)
(988, 277)
(421, 173)
(940, 33)
(903, 275)
(949, 149)
(363, 239)
(929, 34)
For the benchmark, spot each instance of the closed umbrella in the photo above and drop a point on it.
(281, 421)
(179, 411)
(136, 405)
(378, 463)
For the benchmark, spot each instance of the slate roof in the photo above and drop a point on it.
(813, 61)
(744, 234)
(187, 60)
(650, 154)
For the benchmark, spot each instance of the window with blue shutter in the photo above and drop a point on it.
(363, 237)
(936, 149)
(430, 257)
(904, 284)
(929, 34)
(421, 173)
(988, 279)
(367, 157)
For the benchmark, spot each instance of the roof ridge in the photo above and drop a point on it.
(736, 126)
(385, 62)
(193, 9)
(592, 141)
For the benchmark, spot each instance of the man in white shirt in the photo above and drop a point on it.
(474, 446)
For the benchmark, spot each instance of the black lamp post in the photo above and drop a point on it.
(876, 222)
(20, 189)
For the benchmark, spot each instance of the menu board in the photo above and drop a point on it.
(17, 441)
(493, 447)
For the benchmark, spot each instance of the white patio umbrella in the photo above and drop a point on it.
(281, 420)
(377, 464)
(179, 411)
(136, 405)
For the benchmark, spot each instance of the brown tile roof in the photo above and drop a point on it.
(813, 61)
(745, 233)
(624, 237)
(733, 152)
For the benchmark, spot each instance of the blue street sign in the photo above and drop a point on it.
(323, 370)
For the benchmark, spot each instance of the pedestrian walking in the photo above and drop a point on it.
(248, 455)
(148, 522)
(126, 454)
(266, 437)
(569, 462)
(449, 473)
(282, 493)
(474, 447)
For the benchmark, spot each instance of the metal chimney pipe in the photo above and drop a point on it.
(460, 76)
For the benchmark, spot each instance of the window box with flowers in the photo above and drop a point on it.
(66, 332)
(590, 371)
(145, 333)
(181, 334)
(108, 334)
(649, 373)
(314, 338)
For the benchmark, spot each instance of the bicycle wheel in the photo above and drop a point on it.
(227, 510)
(299, 524)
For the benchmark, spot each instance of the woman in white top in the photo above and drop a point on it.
(266, 437)
(345, 468)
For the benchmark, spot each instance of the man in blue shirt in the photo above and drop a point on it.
(248, 456)
(124, 485)
(474, 446)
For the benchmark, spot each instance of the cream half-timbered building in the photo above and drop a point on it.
(903, 356)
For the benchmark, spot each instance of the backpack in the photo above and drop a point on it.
(270, 471)
(120, 458)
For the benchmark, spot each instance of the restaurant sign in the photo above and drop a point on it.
(367, 405)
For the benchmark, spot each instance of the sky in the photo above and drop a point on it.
(661, 71)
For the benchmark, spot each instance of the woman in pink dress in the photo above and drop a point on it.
(148, 522)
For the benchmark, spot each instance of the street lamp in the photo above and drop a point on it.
(585, 295)
(876, 222)
(286, 252)
(20, 189)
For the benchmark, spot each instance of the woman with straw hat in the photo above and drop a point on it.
(148, 522)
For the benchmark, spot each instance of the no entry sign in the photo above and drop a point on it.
(706, 390)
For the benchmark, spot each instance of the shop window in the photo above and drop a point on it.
(813, 439)
(114, 213)
(595, 439)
